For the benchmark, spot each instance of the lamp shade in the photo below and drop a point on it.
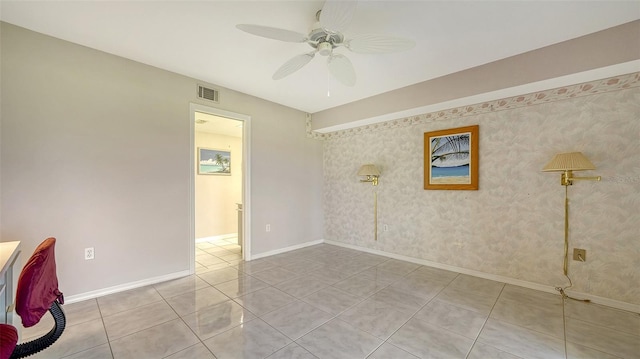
(368, 170)
(573, 161)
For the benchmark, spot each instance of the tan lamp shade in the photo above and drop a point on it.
(368, 170)
(573, 161)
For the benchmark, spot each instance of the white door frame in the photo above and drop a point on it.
(246, 178)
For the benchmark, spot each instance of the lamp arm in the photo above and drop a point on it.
(567, 178)
(593, 178)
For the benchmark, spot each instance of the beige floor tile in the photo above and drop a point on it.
(156, 342)
(296, 319)
(134, 320)
(292, 351)
(388, 351)
(603, 339)
(100, 352)
(265, 300)
(577, 351)
(520, 341)
(243, 285)
(339, 340)
(429, 341)
(180, 286)
(332, 300)
(218, 276)
(375, 317)
(198, 351)
(483, 351)
(530, 309)
(197, 300)
(216, 319)
(118, 302)
(255, 339)
(452, 318)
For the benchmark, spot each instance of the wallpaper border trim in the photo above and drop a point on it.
(521, 283)
(615, 83)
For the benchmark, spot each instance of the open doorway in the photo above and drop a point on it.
(219, 199)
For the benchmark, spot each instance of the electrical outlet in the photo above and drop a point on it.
(385, 227)
(268, 228)
(89, 253)
(579, 254)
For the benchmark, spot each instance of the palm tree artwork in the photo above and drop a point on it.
(450, 158)
(222, 162)
(211, 161)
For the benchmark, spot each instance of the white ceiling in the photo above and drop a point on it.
(199, 38)
(218, 125)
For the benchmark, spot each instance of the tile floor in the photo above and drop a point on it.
(326, 301)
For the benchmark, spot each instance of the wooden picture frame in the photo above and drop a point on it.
(214, 162)
(451, 159)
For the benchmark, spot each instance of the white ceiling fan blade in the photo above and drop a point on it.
(342, 69)
(336, 15)
(378, 44)
(293, 65)
(273, 33)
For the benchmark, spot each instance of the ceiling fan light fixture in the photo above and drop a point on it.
(325, 48)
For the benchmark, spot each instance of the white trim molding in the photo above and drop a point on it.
(123, 287)
(287, 249)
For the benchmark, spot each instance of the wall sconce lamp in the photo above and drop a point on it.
(567, 163)
(372, 174)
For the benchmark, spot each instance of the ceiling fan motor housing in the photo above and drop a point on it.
(323, 40)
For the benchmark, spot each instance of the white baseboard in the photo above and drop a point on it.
(123, 287)
(215, 238)
(531, 285)
(287, 249)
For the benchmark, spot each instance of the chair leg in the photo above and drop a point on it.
(34, 346)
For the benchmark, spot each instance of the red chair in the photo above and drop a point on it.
(8, 340)
(38, 293)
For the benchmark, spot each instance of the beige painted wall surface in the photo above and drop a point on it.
(217, 195)
(513, 225)
(95, 151)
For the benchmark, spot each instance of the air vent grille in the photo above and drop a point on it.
(208, 93)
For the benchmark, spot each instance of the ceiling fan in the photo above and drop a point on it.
(325, 36)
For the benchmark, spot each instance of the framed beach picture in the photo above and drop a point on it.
(214, 162)
(451, 159)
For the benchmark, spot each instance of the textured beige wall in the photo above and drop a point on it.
(513, 225)
(216, 195)
(95, 151)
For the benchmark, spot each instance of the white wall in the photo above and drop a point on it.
(216, 195)
(513, 225)
(95, 151)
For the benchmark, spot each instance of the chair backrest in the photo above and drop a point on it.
(38, 284)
